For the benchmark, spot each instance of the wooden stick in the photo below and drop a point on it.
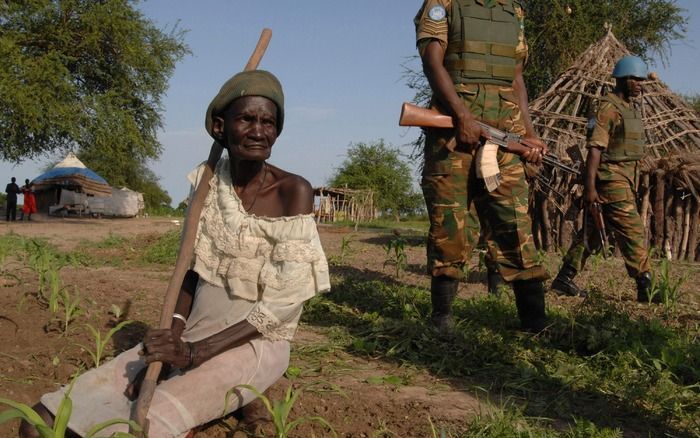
(184, 257)
(659, 213)
(682, 253)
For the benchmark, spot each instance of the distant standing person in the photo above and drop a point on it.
(12, 191)
(473, 54)
(615, 146)
(29, 206)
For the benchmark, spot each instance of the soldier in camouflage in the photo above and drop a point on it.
(473, 53)
(615, 146)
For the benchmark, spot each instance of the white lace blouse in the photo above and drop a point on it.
(272, 264)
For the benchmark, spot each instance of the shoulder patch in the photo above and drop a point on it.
(437, 13)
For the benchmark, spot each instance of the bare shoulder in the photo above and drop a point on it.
(294, 191)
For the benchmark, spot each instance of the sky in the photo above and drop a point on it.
(341, 66)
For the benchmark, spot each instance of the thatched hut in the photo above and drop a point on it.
(669, 183)
(68, 176)
(337, 203)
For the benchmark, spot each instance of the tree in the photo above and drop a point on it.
(379, 167)
(83, 74)
(558, 31)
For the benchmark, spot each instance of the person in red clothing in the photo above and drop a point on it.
(29, 206)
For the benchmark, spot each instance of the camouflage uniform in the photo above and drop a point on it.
(449, 183)
(616, 180)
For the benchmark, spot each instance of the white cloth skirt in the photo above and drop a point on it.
(180, 403)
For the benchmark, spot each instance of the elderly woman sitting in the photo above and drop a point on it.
(257, 258)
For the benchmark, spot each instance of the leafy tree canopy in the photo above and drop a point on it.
(85, 75)
(379, 167)
(558, 31)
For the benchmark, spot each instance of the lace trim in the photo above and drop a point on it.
(269, 325)
(295, 251)
(234, 248)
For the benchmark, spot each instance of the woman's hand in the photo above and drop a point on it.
(165, 345)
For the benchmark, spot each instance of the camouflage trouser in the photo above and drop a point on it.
(452, 191)
(622, 219)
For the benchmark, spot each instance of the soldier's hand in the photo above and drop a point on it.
(590, 196)
(535, 151)
(468, 132)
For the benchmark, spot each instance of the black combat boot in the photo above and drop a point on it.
(442, 292)
(564, 284)
(529, 300)
(644, 288)
(495, 282)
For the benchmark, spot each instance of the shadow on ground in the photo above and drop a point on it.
(487, 351)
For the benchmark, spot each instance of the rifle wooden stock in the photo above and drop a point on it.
(414, 115)
(184, 257)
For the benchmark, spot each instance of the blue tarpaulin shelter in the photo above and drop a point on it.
(72, 174)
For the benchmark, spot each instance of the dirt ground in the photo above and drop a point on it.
(36, 357)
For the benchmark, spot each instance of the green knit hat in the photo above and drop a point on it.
(247, 83)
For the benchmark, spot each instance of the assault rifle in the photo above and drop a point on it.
(414, 115)
(596, 213)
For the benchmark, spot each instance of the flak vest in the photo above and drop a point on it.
(627, 142)
(482, 42)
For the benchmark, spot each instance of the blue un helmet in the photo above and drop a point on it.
(630, 65)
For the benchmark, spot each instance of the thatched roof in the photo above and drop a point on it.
(670, 170)
(561, 113)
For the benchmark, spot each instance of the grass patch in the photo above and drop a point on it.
(597, 364)
(163, 250)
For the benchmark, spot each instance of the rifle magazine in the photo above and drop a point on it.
(492, 182)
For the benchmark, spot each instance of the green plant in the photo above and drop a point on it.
(396, 254)
(111, 241)
(596, 259)
(433, 430)
(60, 425)
(280, 409)
(542, 258)
(101, 343)
(55, 287)
(663, 285)
(586, 429)
(71, 308)
(345, 249)
(116, 311)
(9, 244)
(40, 259)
